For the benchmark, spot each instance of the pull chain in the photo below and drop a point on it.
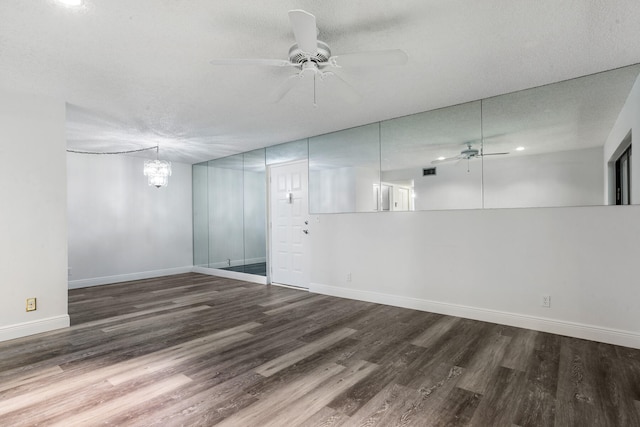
(314, 89)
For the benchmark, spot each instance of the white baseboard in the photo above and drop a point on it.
(298, 288)
(571, 329)
(20, 330)
(252, 278)
(106, 280)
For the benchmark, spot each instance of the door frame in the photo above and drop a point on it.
(269, 222)
(623, 162)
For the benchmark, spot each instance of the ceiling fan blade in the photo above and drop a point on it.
(493, 154)
(366, 59)
(448, 159)
(346, 91)
(267, 62)
(304, 30)
(284, 88)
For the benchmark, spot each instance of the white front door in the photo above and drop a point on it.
(289, 219)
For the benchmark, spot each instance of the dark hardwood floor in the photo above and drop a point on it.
(200, 350)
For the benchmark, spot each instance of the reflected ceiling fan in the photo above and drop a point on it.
(312, 56)
(467, 154)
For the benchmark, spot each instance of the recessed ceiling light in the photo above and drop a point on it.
(520, 149)
(71, 3)
(440, 158)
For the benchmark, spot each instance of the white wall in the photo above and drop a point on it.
(628, 120)
(122, 229)
(492, 264)
(33, 246)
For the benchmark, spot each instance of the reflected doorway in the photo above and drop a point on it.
(623, 178)
(289, 224)
(395, 196)
(402, 204)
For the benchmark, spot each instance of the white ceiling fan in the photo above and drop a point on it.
(467, 154)
(312, 56)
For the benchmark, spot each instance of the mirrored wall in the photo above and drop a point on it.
(564, 144)
(558, 141)
(229, 213)
(344, 171)
(287, 152)
(422, 158)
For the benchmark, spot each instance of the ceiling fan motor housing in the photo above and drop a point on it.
(297, 56)
(469, 153)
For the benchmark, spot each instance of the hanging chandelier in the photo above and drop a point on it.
(157, 171)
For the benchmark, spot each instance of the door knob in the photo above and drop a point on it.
(305, 231)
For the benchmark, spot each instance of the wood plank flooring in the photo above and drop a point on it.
(198, 350)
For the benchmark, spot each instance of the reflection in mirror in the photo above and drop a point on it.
(622, 177)
(344, 171)
(229, 213)
(560, 140)
(225, 200)
(200, 216)
(432, 160)
(564, 144)
(255, 213)
(287, 152)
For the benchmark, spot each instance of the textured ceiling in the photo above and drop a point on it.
(137, 73)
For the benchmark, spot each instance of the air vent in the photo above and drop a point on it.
(428, 171)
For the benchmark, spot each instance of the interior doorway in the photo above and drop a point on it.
(289, 224)
(402, 204)
(623, 178)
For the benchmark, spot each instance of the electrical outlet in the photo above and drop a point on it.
(31, 304)
(546, 301)
(348, 277)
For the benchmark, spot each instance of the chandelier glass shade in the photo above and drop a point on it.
(157, 172)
